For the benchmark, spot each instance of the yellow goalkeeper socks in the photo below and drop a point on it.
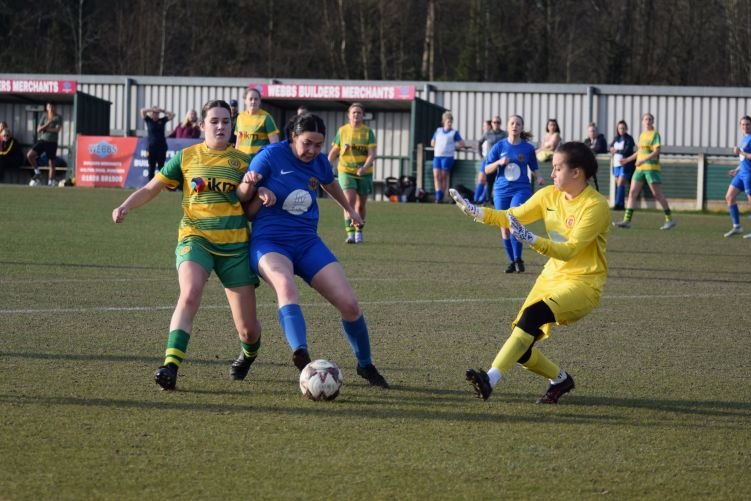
(515, 346)
(542, 365)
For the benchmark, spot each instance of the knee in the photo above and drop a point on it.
(350, 309)
(190, 298)
(250, 333)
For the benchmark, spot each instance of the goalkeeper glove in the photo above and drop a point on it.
(466, 206)
(520, 232)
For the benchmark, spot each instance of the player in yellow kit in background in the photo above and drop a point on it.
(355, 145)
(577, 221)
(254, 127)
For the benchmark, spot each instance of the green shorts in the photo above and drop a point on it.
(363, 185)
(647, 176)
(233, 270)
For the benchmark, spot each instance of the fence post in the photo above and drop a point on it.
(701, 182)
(420, 167)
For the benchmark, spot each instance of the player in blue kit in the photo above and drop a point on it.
(511, 158)
(741, 181)
(285, 242)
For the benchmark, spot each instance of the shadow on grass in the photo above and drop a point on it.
(380, 404)
(150, 360)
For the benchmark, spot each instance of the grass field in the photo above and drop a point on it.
(661, 409)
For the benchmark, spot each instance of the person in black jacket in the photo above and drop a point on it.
(11, 156)
(623, 146)
(595, 141)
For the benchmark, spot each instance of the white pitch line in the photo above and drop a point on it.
(116, 309)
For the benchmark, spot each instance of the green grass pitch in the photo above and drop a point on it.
(661, 409)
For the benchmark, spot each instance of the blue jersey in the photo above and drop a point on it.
(745, 164)
(513, 178)
(295, 184)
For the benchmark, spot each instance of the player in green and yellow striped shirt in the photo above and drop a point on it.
(254, 128)
(213, 235)
(647, 158)
(355, 145)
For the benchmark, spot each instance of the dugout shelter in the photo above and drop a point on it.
(402, 122)
(22, 103)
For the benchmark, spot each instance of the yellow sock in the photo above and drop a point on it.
(542, 365)
(515, 346)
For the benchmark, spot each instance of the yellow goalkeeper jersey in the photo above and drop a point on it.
(576, 233)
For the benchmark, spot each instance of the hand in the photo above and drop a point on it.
(520, 232)
(362, 170)
(465, 206)
(736, 150)
(540, 181)
(252, 177)
(266, 196)
(357, 221)
(119, 213)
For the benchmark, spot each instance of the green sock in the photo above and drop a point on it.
(251, 350)
(628, 215)
(668, 215)
(177, 344)
(348, 227)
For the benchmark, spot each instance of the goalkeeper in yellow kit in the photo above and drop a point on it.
(577, 220)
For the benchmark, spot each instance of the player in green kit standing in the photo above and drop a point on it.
(355, 145)
(213, 236)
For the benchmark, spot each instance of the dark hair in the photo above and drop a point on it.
(619, 123)
(554, 122)
(578, 155)
(305, 122)
(216, 103)
(744, 117)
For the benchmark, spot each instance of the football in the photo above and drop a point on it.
(320, 380)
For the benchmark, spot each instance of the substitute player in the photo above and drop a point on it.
(254, 127)
(577, 221)
(285, 239)
(741, 178)
(213, 235)
(355, 145)
(647, 158)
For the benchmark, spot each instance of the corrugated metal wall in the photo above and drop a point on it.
(689, 118)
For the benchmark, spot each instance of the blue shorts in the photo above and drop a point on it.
(443, 163)
(506, 201)
(742, 182)
(308, 257)
(624, 171)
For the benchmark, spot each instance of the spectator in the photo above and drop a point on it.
(492, 133)
(233, 111)
(595, 141)
(445, 142)
(11, 156)
(302, 109)
(741, 178)
(355, 145)
(155, 124)
(550, 141)
(188, 128)
(49, 131)
(623, 146)
(3, 126)
(647, 171)
(255, 128)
